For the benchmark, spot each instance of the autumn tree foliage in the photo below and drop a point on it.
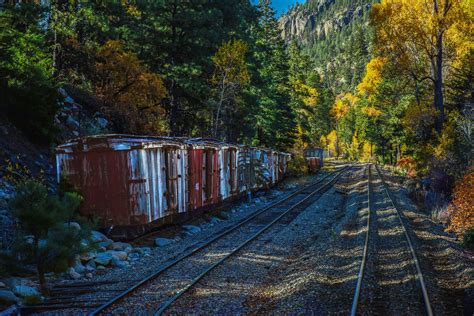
(229, 77)
(425, 39)
(129, 91)
(461, 210)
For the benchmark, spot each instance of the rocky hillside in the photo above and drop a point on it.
(332, 32)
(318, 19)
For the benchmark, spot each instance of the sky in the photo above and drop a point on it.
(281, 6)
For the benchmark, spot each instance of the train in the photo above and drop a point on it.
(314, 158)
(132, 184)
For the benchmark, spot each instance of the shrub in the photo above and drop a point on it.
(461, 210)
(407, 165)
(45, 240)
(297, 166)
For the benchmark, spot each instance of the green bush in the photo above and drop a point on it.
(45, 240)
(298, 166)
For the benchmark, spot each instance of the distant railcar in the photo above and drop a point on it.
(315, 158)
(134, 183)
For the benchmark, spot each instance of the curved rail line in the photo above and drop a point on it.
(426, 299)
(200, 247)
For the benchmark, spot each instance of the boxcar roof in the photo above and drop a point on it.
(117, 142)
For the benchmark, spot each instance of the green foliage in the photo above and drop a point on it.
(27, 89)
(298, 166)
(45, 238)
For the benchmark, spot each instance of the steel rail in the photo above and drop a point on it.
(198, 248)
(174, 298)
(355, 300)
(421, 279)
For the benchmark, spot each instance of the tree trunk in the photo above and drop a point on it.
(437, 65)
(39, 268)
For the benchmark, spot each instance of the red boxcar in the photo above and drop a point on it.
(203, 173)
(127, 181)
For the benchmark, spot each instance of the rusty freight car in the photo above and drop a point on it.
(134, 183)
(203, 173)
(315, 158)
(127, 182)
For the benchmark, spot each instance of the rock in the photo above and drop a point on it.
(26, 291)
(2, 285)
(106, 243)
(116, 262)
(191, 229)
(161, 242)
(141, 250)
(74, 274)
(121, 255)
(88, 275)
(73, 225)
(100, 268)
(12, 282)
(103, 258)
(91, 266)
(87, 256)
(214, 220)
(134, 256)
(78, 267)
(120, 246)
(7, 297)
(98, 236)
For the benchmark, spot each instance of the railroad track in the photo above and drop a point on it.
(96, 296)
(154, 294)
(386, 265)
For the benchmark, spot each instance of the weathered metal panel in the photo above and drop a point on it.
(195, 171)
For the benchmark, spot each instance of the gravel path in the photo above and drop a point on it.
(275, 273)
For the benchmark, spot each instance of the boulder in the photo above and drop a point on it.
(89, 275)
(191, 229)
(120, 246)
(7, 297)
(87, 256)
(2, 285)
(79, 267)
(121, 255)
(98, 236)
(103, 258)
(73, 274)
(91, 266)
(161, 242)
(73, 225)
(116, 262)
(105, 244)
(26, 291)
